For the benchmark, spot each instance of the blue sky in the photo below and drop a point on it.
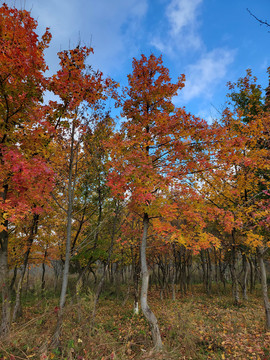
(210, 41)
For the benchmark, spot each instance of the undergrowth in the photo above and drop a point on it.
(194, 326)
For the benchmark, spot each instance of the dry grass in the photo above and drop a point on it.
(194, 326)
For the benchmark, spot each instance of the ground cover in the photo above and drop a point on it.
(194, 326)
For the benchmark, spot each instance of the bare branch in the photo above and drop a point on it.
(259, 20)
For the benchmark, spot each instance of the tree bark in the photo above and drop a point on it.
(222, 269)
(4, 284)
(44, 270)
(189, 268)
(235, 290)
(17, 312)
(135, 276)
(205, 268)
(71, 185)
(4, 274)
(245, 277)
(150, 316)
(97, 295)
(101, 283)
(13, 280)
(260, 253)
(251, 267)
(174, 273)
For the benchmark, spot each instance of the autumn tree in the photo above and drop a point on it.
(26, 177)
(158, 145)
(237, 188)
(92, 188)
(80, 89)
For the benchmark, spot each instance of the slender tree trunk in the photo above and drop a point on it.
(13, 280)
(174, 273)
(222, 269)
(209, 271)
(216, 265)
(80, 281)
(17, 312)
(205, 270)
(110, 273)
(71, 185)
(136, 292)
(251, 267)
(4, 284)
(260, 253)
(150, 316)
(43, 270)
(101, 283)
(189, 268)
(235, 289)
(245, 276)
(162, 277)
(57, 270)
(181, 281)
(27, 279)
(159, 272)
(256, 270)
(182, 270)
(97, 295)
(4, 274)
(136, 276)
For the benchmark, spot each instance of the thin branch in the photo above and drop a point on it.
(259, 20)
(57, 202)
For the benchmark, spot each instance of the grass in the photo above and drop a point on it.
(195, 326)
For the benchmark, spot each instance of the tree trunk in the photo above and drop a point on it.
(17, 312)
(205, 269)
(251, 267)
(43, 271)
(57, 270)
(260, 253)
(189, 268)
(222, 268)
(135, 276)
(182, 270)
(4, 274)
(150, 316)
(209, 271)
(174, 273)
(4, 284)
(245, 277)
(13, 280)
(71, 185)
(216, 265)
(97, 295)
(235, 289)
(101, 283)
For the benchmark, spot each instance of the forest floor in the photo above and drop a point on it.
(194, 326)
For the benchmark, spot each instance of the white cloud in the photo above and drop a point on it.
(183, 23)
(182, 14)
(203, 76)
